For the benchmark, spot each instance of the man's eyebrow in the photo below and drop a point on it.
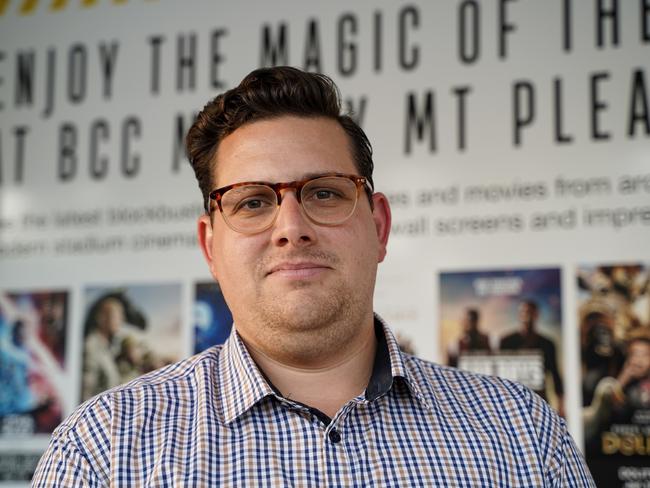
(306, 176)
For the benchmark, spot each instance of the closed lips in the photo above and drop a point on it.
(296, 267)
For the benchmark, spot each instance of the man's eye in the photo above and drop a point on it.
(252, 204)
(325, 194)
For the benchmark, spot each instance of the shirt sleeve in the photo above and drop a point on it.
(64, 465)
(564, 466)
(573, 470)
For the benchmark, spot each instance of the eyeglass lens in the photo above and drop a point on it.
(328, 200)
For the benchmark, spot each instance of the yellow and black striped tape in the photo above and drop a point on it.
(28, 7)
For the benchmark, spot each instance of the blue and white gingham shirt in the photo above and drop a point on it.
(213, 420)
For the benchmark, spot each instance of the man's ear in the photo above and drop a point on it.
(205, 234)
(382, 218)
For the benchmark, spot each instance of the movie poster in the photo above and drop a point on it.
(128, 331)
(212, 317)
(614, 318)
(506, 323)
(33, 328)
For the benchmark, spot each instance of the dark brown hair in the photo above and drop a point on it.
(531, 304)
(265, 94)
(473, 314)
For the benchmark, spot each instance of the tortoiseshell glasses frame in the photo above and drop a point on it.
(327, 199)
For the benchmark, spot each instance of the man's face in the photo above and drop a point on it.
(638, 358)
(527, 316)
(294, 285)
(470, 324)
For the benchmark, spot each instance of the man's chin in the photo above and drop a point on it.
(302, 309)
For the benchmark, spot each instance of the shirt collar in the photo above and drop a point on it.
(242, 384)
(391, 364)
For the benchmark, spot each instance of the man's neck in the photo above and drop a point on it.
(528, 331)
(326, 383)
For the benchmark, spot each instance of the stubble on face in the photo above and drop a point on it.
(306, 319)
(286, 317)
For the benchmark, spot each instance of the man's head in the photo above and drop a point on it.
(297, 288)
(638, 356)
(265, 94)
(109, 317)
(528, 313)
(470, 320)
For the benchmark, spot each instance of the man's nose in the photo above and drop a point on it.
(291, 225)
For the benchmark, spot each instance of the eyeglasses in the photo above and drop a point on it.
(252, 206)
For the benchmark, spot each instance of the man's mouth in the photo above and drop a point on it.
(299, 270)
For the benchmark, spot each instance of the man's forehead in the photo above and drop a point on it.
(299, 177)
(283, 149)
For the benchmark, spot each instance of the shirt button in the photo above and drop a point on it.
(334, 436)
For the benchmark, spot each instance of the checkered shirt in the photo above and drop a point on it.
(213, 420)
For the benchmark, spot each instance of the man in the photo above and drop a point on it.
(527, 338)
(616, 419)
(472, 340)
(618, 399)
(310, 389)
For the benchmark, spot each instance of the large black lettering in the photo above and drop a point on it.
(51, 83)
(560, 136)
(606, 15)
(469, 11)
(186, 62)
(130, 162)
(461, 93)
(155, 42)
(178, 146)
(639, 113)
(24, 78)
(523, 98)
(2, 80)
(107, 60)
(347, 48)
(378, 41)
(645, 20)
(77, 73)
(216, 58)
(566, 26)
(597, 106)
(505, 28)
(409, 55)
(274, 51)
(20, 134)
(418, 120)
(312, 47)
(67, 152)
(98, 164)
